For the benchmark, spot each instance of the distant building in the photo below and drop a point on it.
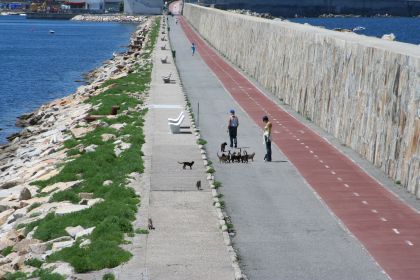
(143, 7)
(98, 5)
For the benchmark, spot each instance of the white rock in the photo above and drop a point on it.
(61, 186)
(84, 232)
(85, 243)
(61, 268)
(107, 137)
(389, 37)
(107, 183)
(90, 148)
(81, 131)
(57, 246)
(5, 215)
(117, 126)
(73, 231)
(39, 248)
(70, 208)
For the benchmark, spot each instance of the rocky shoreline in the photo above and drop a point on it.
(38, 153)
(109, 18)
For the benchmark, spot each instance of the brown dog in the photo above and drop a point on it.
(251, 156)
(222, 158)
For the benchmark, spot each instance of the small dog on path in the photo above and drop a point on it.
(223, 147)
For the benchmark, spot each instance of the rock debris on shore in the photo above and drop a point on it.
(109, 18)
(38, 153)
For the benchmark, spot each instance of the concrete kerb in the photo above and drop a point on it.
(239, 275)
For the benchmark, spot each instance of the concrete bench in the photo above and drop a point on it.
(177, 119)
(167, 79)
(176, 127)
(164, 60)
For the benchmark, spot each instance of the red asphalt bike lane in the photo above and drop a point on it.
(388, 228)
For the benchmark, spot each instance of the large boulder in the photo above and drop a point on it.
(25, 194)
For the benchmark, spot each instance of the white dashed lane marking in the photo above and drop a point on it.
(383, 219)
(356, 194)
(396, 231)
(409, 243)
(374, 211)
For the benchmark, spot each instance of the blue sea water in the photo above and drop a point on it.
(37, 67)
(405, 29)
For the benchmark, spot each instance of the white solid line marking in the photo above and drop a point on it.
(365, 202)
(374, 211)
(332, 172)
(326, 166)
(396, 231)
(346, 185)
(356, 194)
(409, 243)
(339, 179)
(383, 219)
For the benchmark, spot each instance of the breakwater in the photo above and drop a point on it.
(101, 124)
(364, 91)
(109, 18)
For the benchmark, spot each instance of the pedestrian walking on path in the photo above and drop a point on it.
(267, 138)
(233, 129)
(193, 47)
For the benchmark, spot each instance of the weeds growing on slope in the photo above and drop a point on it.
(111, 218)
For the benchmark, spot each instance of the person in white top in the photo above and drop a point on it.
(267, 138)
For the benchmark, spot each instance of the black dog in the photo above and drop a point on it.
(186, 163)
(222, 147)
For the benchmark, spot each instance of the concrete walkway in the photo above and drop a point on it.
(284, 230)
(187, 242)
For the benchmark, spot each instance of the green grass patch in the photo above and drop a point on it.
(6, 251)
(34, 205)
(201, 142)
(211, 170)
(217, 184)
(70, 143)
(113, 217)
(46, 274)
(141, 231)
(68, 195)
(108, 276)
(34, 262)
(15, 276)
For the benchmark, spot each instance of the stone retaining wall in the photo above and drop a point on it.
(365, 91)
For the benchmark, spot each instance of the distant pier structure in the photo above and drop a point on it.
(143, 7)
(313, 8)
